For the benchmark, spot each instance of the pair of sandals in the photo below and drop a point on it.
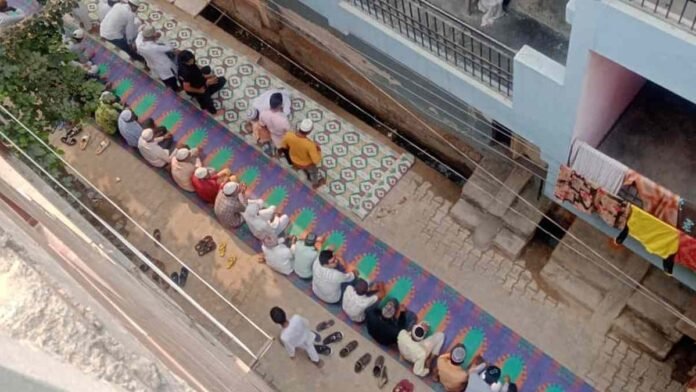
(379, 370)
(69, 137)
(205, 246)
(180, 278)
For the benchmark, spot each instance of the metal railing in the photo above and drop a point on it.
(449, 38)
(679, 12)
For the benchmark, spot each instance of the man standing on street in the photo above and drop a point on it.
(297, 334)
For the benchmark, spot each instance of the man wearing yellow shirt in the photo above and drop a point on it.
(303, 153)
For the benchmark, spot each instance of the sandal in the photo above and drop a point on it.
(183, 275)
(102, 146)
(382, 379)
(333, 338)
(175, 278)
(222, 249)
(323, 350)
(349, 348)
(84, 141)
(158, 235)
(231, 261)
(74, 131)
(205, 246)
(68, 140)
(324, 325)
(363, 362)
(379, 364)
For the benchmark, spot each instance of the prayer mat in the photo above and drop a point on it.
(440, 305)
(359, 169)
(655, 199)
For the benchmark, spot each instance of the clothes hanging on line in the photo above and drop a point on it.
(686, 255)
(612, 209)
(655, 235)
(686, 217)
(655, 199)
(588, 197)
(597, 167)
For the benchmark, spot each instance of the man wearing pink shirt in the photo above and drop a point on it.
(275, 120)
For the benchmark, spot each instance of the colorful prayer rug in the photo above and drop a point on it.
(359, 169)
(443, 307)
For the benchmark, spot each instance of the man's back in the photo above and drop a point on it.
(297, 332)
(384, 331)
(116, 22)
(303, 151)
(453, 377)
(326, 282)
(304, 259)
(277, 125)
(152, 152)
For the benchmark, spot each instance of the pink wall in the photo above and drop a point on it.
(607, 89)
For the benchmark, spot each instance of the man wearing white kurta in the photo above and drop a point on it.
(327, 279)
(263, 222)
(156, 56)
(9, 15)
(296, 334)
(416, 348)
(277, 255)
(120, 26)
(263, 101)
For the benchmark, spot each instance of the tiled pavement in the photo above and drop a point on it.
(360, 170)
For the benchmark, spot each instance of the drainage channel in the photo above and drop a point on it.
(240, 32)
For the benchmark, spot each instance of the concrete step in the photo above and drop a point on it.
(507, 194)
(573, 290)
(642, 334)
(481, 188)
(486, 231)
(524, 219)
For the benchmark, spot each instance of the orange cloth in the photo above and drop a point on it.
(657, 200)
(261, 133)
(686, 255)
(657, 237)
(452, 377)
(303, 152)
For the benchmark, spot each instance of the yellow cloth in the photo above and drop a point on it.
(303, 152)
(658, 237)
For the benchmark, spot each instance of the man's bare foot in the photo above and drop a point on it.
(319, 183)
(319, 363)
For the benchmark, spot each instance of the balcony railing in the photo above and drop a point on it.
(679, 12)
(448, 38)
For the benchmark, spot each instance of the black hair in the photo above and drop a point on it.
(278, 315)
(148, 123)
(276, 100)
(361, 286)
(185, 56)
(325, 256)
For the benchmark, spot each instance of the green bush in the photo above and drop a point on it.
(37, 83)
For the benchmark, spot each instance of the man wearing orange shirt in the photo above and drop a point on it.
(304, 153)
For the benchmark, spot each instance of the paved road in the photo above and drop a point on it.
(153, 319)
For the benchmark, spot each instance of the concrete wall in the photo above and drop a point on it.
(607, 91)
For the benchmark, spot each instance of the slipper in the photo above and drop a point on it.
(205, 245)
(379, 364)
(349, 348)
(230, 261)
(222, 249)
(144, 267)
(158, 235)
(383, 379)
(174, 277)
(102, 146)
(68, 140)
(324, 325)
(363, 362)
(333, 338)
(84, 142)
(323, 350)
(183, 276)
(74, 131)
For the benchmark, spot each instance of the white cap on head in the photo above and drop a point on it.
(306, 125)
(135, 2)
(107, 97)
(201, 173)
(182, 154)
(252, 113)
(78, 34)
(147, 134)
(230, 188)
(127, 115)
(148, 31)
